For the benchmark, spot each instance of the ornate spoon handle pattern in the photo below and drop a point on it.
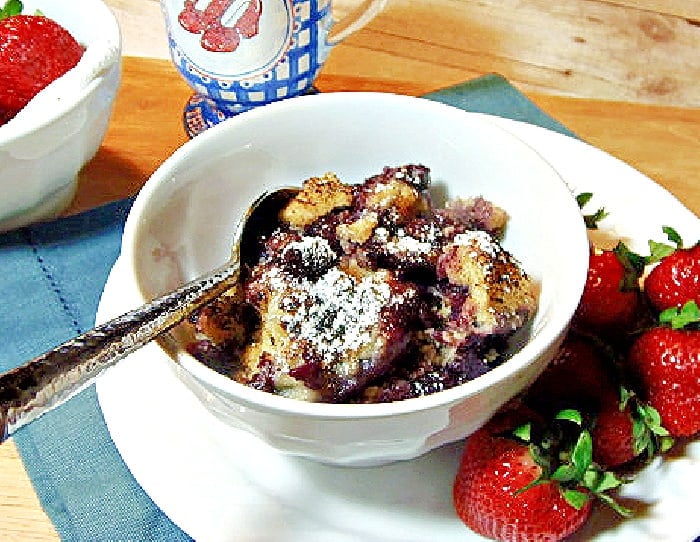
(53, 377)
(48, 380)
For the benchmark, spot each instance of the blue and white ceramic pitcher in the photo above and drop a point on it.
(240, 54)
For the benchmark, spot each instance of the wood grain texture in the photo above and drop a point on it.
(629, 50)
(571, 48)
(661, 141)
(622, 74)
(21, 516)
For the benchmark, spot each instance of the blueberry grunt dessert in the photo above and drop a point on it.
(370, 293)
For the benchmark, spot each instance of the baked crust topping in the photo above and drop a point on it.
(370, 293)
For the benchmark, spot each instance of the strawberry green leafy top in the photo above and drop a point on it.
(12, 7)
(686, 317)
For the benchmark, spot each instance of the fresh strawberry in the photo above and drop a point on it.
(625, 429)
(34, 51)
(493, 471)
(613, 437)
(580, 376)
(666, 362)
(611, 295)
(676, 278)
(585, 375)
(510, 487)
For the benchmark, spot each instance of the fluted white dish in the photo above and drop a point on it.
(182, 222)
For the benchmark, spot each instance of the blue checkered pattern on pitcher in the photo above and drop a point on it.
(293, 74)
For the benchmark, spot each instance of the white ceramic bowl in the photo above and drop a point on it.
(182, 222)
(44, 147)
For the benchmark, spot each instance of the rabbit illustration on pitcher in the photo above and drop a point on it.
(241, 54)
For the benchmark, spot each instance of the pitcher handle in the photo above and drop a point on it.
(355, 20)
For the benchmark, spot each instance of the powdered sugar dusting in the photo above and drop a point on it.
(337, 313)
(314, 250)
(402, 242)
(480, 240)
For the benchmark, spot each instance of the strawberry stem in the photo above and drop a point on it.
(591, 220)
(673, 236)
(634, 266)
(571, 415)
(681, 318)
(649, 434)
(658, 251)
(563, 449)
(576, 498)
(524, 432)
(11, 7)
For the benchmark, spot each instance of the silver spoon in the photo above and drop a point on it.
(50, 379)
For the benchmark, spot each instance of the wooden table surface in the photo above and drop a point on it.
(621, 74)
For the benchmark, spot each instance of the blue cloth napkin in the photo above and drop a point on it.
(51, 279)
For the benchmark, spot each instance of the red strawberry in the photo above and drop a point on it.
(34, 51)
(611, 296)
(613, 438)
(486, 492)
(675, 280)
(584, 376)
(625, 428)
(579, 376)
(514, 489)
(666, 362)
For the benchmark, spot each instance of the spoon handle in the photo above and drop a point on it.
(48, 380)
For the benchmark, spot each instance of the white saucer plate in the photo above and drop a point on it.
(220, 484)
